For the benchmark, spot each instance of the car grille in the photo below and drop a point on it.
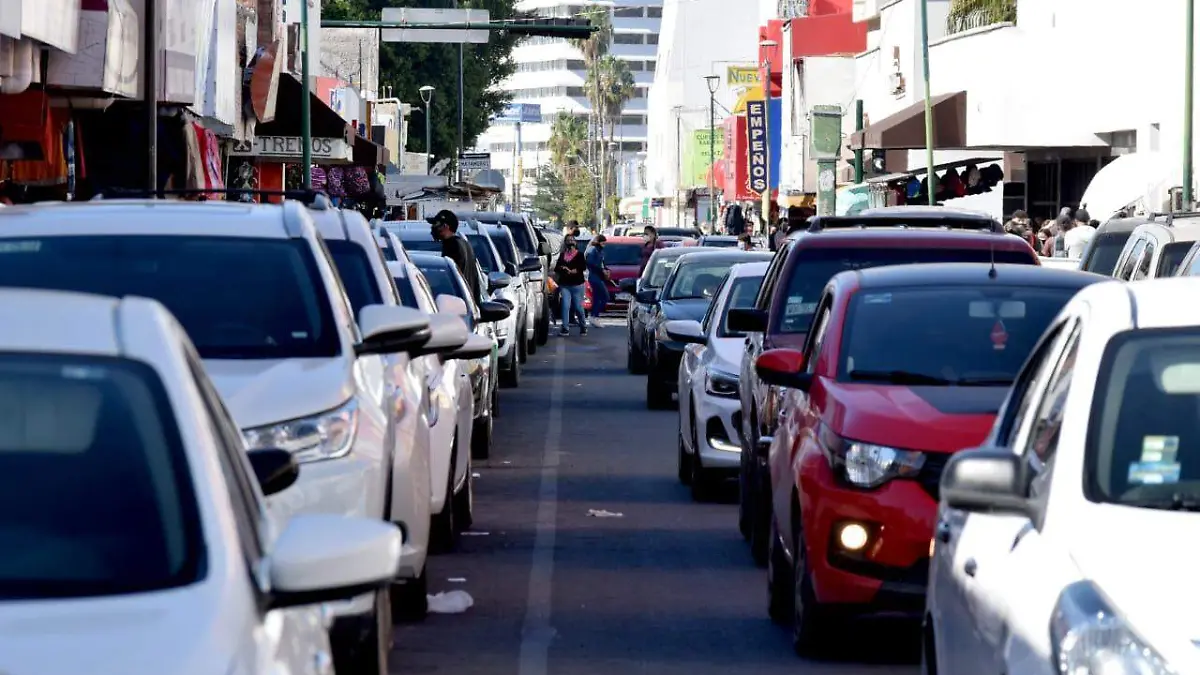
(930, 477)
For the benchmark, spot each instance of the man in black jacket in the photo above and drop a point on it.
(444, 228)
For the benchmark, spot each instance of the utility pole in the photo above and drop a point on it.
(305, 98)
(858, 154)
(931, 178)
(1189, 52)
(150, 91)
(678, 165)
(459, 152)
(713, 82)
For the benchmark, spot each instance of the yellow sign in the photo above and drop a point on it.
(754, 93)
(743, 76)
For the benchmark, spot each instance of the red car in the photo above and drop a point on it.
(904, 365)
(623, 255)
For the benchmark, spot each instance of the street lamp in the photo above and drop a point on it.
(713, 81)
(427, 98)
(766, 196)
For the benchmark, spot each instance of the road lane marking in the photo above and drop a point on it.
(536, 632)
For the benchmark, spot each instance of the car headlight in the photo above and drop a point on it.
(721, 383)
(660, 331)
(1089, 637)
(329, 435)
(866, 465)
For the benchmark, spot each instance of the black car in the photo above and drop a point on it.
(685, 294)
(653, 277)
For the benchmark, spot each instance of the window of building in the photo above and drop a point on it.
(654, 12)
(629, 12)
(652, 39)
(627, 38)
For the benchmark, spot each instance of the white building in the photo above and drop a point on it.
(551, 73)
(699, 38)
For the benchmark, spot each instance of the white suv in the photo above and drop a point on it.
(259, 296)
(130, 511)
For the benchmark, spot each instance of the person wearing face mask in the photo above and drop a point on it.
(571, 270)
(651, 245)
(444, 228)
(598, 275)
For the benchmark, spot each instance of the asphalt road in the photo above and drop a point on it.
(666, 587)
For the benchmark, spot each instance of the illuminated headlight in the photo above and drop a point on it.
(329, 435)
(866, 465)
(1089, 638)
(721, 383)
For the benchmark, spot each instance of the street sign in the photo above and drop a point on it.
(525, 113)
(743, 76)
(472, 162)
(436, 16)
(756, 147)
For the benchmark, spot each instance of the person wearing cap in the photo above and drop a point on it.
(444, 228)
(598, 275)
(1077, 238)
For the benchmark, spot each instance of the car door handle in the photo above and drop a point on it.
(943, 531)
(970, 567)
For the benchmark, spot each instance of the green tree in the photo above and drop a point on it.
(580, 198)
(968, 14)
(568, 140)
(549, 202)
(406, 67)
(594, 47)
(614, 80)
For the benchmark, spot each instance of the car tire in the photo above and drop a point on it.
(363, 644)
(443, 533)
(685, 469)
(760, 515)
(522, 346)
(780, 586)
(511, 376)
(744, 493)
(703, 482)
(658, 397)
(543, 327)
(481, 438)
(812, 622)
(410, 601)
(929, 665)
(635, 363)
(464, 504)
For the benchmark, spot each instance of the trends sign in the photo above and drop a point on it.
(757, 149)
(324, 150)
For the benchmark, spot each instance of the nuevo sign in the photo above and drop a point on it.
(328, 150)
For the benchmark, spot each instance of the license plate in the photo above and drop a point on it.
(624, 297)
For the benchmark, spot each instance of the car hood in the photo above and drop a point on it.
(681, 310)
(934, 419)
(727, 353)
(169, 633)
(269, 391)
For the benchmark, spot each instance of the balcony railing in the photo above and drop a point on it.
(969, 14)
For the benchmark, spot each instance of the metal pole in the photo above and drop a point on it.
(679, 166)
(931, 177)
(858, 154)
(712, 154)
(1189, 52)
(428, 136)
(305, 99)
(458, 153)
(766, 195)
(150, 91)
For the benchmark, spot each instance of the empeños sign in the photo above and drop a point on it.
(327, 150)
(759, 179)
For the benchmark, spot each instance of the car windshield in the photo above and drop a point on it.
(355, 271)
(660, 269)
(741, 296)
(623, 254)
(814, 267)
(1172, 256)
(1106, 249)
(484, 254)
(237, 297)
(504, 244)
(1143, 448)
(102, 505)
(960, 335)
(697, 280)
(408, 297)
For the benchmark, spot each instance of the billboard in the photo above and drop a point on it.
(525, 113)
(743, 76)
(697, 159)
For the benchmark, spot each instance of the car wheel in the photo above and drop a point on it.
(779, 580)
(464, 504)
(929, 665)
(760, 514)
(811, 621)
(543, 327)
(362, 644)
(685, 469)
(481, 438)
(744, 493)
(658, 397)
(410, 601)
(702, 479)
(443, 534)
(511, 377)
(522, 345)
(637, 364)
(533, 341)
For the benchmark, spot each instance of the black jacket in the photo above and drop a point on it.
(459, 250)
(571, 272)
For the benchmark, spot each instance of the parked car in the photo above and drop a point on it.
(718, 241)
(136, 536)
(710, 410)
(1155, 249)
(904, 366)
(784, 309)
(1101, 254)
(1090, 471)
(255, 289)
(680, 235)
(657, 270)
(686, 294)
(529, 246)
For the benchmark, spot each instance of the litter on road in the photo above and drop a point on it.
(450, 602)
(601, 513)
(473, 533)
(457, 580)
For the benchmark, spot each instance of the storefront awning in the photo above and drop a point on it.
(905, 130)
(367, 153)
(287, 123)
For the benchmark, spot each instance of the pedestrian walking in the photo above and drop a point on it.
(598, 276)
(1080, 234)
(652, 244)
(444, 228)
(571, 270)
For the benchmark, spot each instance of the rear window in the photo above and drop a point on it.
(1172, 256)
(963, 335)
(101, 505)
(1106, 248)
(355, 271)
(522, 234)
(623, 254)
(441, 280)
(425, 244)
(504, 245)
(814, 267)
(719, 243)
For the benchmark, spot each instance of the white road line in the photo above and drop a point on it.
(536, 632)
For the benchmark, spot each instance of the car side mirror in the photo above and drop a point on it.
(448, 332)
(498, 280)
(451, 304)
(686, 331)
(511, 269)
(647, 297)
(629, 285)
(324, 557)
(387, 329)
(783, 368)
(985, 480)
(745, 320)
(544, 248)
(531, 264)
(476, 347)
(493, 312)
(275, 469)
(538, 276)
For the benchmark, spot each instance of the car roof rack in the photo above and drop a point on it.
(1170, 216)
(904, 222)
(312, 198)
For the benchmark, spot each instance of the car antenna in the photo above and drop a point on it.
(992, 253)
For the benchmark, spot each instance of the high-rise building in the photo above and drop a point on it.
(551, 73)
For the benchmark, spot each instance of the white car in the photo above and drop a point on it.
(256, 290)
(135, 534)
(1064, 545)
(710, 406)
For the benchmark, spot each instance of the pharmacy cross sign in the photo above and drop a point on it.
(758, 179)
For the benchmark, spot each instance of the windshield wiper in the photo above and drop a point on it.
(1177, 502)
(896, 377)
(984, 381)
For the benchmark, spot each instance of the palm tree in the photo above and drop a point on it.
(614, 81)
(594, 47)
(568, 140)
